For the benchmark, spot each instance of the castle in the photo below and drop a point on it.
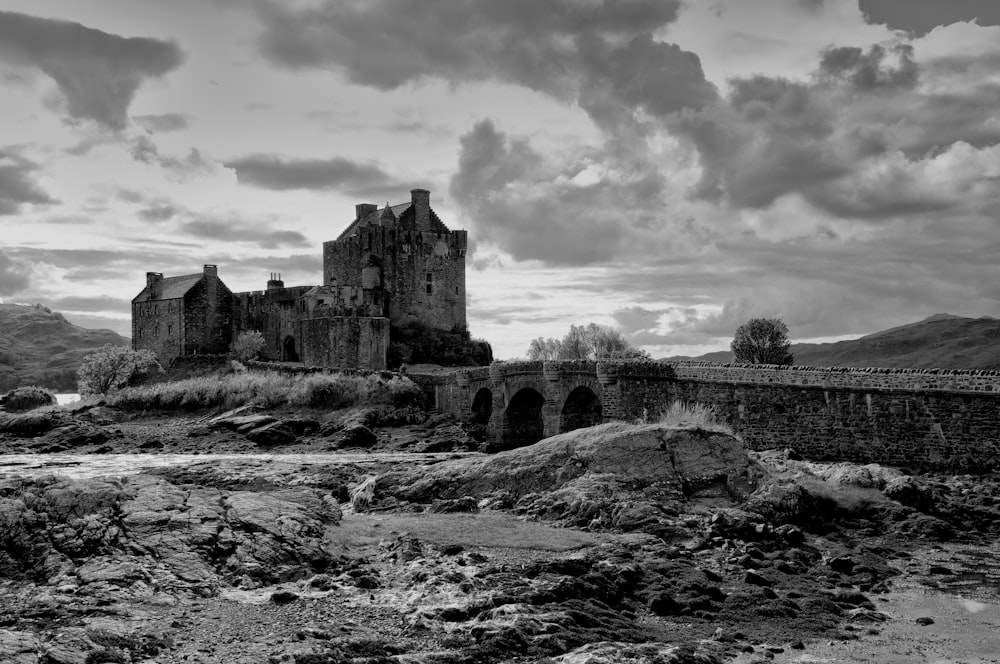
(392, 265)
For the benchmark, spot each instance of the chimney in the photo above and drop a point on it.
(362, 210)
(275, 281)
(421, 200)
(154, 282)
(211, 271)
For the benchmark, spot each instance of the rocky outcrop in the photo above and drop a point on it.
(144, 534)
(670, 462)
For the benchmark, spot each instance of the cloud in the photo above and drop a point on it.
(163, 123)
(919, 17)
(159, 212)
(532, 208)
(97, 73)
(16, 186)
(235, 231)
(281, 174)
(876, 112)
(15, 275)
(92, 304)
(600, 55)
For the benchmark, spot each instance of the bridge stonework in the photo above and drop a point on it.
(913, 418)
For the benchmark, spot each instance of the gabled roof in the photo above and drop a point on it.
(397, 213)
(171, 287)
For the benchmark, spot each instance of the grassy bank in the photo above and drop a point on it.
(268, 389)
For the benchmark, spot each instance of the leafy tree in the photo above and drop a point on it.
(762, 341)
(247, 346)
(590, 342)
(113, 367)
(417, 343)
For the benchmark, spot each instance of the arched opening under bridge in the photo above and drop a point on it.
(523, 424)
(581, 409)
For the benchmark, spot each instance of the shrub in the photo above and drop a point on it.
(28, 398)
(416, 343)
(762, 341)
(114, 367)
(247, 346)
(694, 416)
(269, 389)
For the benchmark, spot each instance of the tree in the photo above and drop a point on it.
(590, 342)
(762, 341)
(247, 346)
(114, 367)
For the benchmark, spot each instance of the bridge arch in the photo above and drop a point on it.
(582, 408)
(482, 406)
(522, 420)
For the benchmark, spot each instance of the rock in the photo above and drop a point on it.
(870, 476)
(301, 426)
(909, 491)
(18, 647)
(782, 502)
(453, 505)
(842, 564)
(663, 604)
(357, 436)
(940, 570)
(283, 597)
(32, 423)
(612, 652)
(76, 434)
(924, 621)
(675, 461)
(272, 435)
(755, 579)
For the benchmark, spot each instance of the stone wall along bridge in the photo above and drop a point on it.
(905, 417)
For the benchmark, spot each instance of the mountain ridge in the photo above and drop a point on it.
(941, 341)
(39, 346)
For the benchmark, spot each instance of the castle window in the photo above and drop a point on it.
(430, 283)
(170, 330)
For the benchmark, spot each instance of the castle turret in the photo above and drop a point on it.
(362, 210)
(421, 201)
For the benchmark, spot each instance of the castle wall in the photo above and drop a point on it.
(207, 317)
(158, 326)
(275, 313)
(341, 341)
(411, 262)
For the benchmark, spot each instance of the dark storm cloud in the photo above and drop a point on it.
(236, 231)
(919, 17)
(16, 184)
(600, 55)
(15, 274)
(280, 174)
(98, 73)
(163, 123)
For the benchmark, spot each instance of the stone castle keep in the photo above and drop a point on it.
(392, 265)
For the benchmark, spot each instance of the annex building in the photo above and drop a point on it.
(391, 265)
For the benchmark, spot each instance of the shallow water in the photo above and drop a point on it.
(67, 398)
(79, 466)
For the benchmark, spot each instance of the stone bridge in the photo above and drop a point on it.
(912, 418)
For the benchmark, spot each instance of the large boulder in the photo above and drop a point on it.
(668, 461)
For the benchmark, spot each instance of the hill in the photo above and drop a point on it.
(40, 347)
(942, 341)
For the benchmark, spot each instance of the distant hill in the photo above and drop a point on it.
(40, 347)
(942, 341)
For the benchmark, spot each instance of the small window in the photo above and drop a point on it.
(430, 283)
(170, 330)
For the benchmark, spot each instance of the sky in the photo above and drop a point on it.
(671, 168)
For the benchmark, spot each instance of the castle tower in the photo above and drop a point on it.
(416, 261)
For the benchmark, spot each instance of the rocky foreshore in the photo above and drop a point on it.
(618, 543)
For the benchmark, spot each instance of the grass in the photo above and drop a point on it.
(268, 389)
(359, 533)
(684, 415)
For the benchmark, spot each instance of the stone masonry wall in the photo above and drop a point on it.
(410, 263)
(158, 326)
(353, 342)
(911, 418)
(207, 317)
